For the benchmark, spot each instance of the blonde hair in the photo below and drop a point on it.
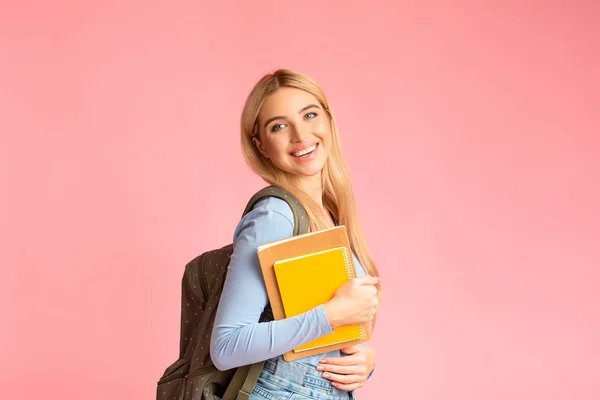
(338, 196)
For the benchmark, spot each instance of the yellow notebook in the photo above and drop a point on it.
(302, 269)
(312, 279)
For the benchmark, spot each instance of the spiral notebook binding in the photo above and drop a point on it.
(350, 273)
(348, 262)
(362, 329)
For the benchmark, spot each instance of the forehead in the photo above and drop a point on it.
(286, 102)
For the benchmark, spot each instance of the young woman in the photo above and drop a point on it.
(290, 139)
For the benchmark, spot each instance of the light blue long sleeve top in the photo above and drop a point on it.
(238, 338)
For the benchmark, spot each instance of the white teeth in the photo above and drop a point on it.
(306, 151)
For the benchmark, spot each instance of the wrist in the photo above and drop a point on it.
(331, 314)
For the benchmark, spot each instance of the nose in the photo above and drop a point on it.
(299, 134)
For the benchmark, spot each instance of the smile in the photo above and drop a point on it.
(305, 151)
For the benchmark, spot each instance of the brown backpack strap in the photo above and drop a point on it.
(250, 382)
(300, 216)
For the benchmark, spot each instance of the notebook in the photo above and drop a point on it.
(310, 280)
(288, 254)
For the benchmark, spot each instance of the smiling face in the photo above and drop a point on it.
(294, 132)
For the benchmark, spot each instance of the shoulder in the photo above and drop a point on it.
(270, 219)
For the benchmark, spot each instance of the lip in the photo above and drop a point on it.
(309, 157)
(303, 147)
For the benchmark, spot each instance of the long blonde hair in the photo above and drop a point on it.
(338, 196)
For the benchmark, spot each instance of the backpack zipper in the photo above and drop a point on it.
(200, 371)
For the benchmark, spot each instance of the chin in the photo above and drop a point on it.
(305, 171)
(308, 173)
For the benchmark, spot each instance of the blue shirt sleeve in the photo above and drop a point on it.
(238, 338)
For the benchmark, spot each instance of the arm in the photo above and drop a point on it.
(238, 338)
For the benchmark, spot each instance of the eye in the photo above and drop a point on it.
(277, 127)
(310, 115)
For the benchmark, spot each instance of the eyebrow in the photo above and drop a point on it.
(267, 122)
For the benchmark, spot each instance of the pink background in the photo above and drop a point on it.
(471, 130)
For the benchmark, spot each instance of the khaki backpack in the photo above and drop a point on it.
(193, 376)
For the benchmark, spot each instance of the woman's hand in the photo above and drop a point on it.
(349, 372)
(355, 302)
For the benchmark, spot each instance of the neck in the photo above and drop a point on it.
(314, 188)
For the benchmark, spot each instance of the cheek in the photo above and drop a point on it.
(325, 135)
(323, 127)
(277, 148)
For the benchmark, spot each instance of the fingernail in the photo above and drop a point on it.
(323, 361)
(325, 375)
(320, 367)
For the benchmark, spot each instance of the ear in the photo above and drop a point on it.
(260, 147)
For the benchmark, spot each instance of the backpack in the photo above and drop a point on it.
(193, 376)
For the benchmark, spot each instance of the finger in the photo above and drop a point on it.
(367, 280)
(344, 360)
(369, 291)
(348, 387)
(343, 379)
(340, 369)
